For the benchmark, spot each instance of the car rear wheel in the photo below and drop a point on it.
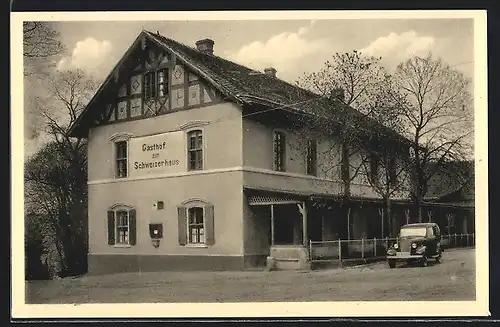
(392, 264)
(438, 259)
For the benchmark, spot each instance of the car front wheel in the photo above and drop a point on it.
(392, 264)
(423, 263)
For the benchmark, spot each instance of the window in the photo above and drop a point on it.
(195, 225)
(162, 83)
(156, 84)
(121, 159)
(195, 150)
(122, 226)
(149, 85)
(279, 151)
(311, 158)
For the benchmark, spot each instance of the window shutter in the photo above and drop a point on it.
(132, 221)
(209, 225)
(182, 225)
(111, 227)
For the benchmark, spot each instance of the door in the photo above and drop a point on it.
(431, 241)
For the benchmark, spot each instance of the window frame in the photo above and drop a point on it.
(200, 149)
(312, 162)
(162, 92)
(114, 139)
(148, 78)
(151, 84)
(282, 155)
(208, 223)
(122, 208)
(121, 159)
(118, 227)
(188, 225)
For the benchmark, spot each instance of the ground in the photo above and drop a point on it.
(453, 279)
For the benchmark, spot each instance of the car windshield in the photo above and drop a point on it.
(413, 231)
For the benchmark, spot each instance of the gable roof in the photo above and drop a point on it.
(245, 86)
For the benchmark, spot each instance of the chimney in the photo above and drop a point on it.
(270, 71)
(205, 46)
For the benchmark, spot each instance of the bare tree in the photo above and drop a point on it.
(350, 80)
(436, 112)
(40, 43)
(56, 177)
(353, 80)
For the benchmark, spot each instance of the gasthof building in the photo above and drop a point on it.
(192, 164)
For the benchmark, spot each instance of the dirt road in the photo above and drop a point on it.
(453, 279)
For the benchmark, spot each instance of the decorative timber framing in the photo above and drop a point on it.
(145, 57)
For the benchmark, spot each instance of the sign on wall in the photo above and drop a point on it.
(157, 154)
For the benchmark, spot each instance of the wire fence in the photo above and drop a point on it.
(372, 249)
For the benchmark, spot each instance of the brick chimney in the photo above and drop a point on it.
(270, 71)
(205, 46)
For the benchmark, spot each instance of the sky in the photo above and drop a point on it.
(292, 47)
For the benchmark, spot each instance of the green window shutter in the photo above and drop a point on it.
(182, 225)
(111, 227)
(209, 225)
(132, 221)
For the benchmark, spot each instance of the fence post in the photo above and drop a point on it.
(340, 251)
(363, 248)
(473, 239)
(467, 241)
(455, 239)
(374, 247)
(386, 243)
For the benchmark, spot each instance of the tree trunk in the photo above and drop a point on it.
(387, 215)
(418, 210)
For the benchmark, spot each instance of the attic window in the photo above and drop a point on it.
(156, 84)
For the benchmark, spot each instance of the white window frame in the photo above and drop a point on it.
(122, 208)
(195, 203)
(203, 147)
(116, 138)
(188, 241)
(119, 227)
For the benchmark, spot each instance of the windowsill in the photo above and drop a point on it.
(122, 245)
(196, 246)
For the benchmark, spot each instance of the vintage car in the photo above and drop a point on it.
(416, 243)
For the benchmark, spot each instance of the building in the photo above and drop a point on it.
(194, 163)
(451, 197)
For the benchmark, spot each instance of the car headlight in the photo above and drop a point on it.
(396, 245)
(414, 245)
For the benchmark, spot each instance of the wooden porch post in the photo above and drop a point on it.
(272, 224)
(303, 212)
(349, 223)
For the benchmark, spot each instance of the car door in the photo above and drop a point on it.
(431, 241)
(437, 233)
